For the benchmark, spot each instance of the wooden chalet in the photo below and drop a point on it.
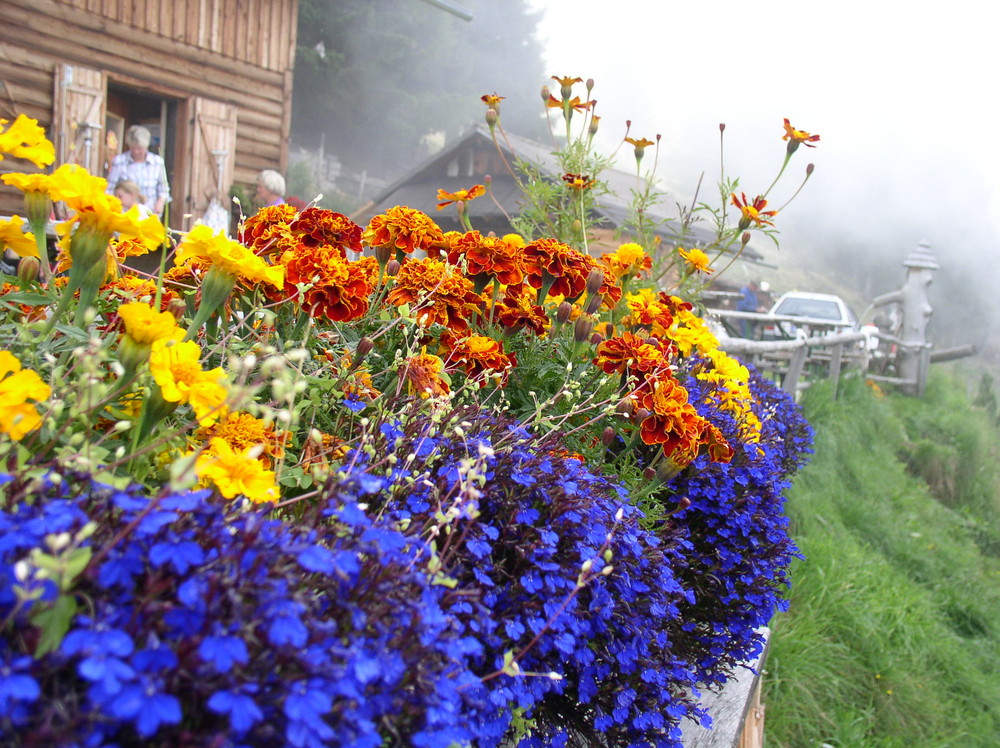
(210, 79)
(473, 156)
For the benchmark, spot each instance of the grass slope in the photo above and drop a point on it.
(892, 638)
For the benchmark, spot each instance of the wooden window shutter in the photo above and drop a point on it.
(78, 116)
(212, 156)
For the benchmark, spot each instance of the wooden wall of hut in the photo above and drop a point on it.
(216, 61)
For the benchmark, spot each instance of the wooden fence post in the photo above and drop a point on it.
(914, 351)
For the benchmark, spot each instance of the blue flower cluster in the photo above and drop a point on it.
(461, 582)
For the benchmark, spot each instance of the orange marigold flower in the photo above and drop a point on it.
(320, 450)
(263, 231)
(697, 260)
(404, 229)
(439, 292)
(753, 212)
(795, 137)
(630, 353)
(241, 431)
(578, 181)
(492, 100)
(672, 421)
(557, 268)
(574, 103)
(648, 311)
(424, 375)
(479, 356)
(459, 196)
(629, 259)
(487, 257)
(334, 287)
(517, 310)
(317, 227)
(640, 145)
(566, 80)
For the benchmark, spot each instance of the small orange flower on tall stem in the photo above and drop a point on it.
(459, 196)
(753, 212)
(795, 137)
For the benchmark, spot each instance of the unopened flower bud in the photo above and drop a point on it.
(176, 307)
(596, 339)
(683, 504)
(383, 254)
(594, 303)
(590, 85)
(649, 473)
(608, 436)
(722, 127)
(491, 118)
(393, 267)
(641, 415)
(563, 312)
(584, 327)
(625, 407)
(595, 121)
(809, 169)
(594, 281)
(27, 269)
(546, 94)
(745, 238)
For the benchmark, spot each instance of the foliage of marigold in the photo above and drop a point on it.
(439, 292)
(318, 227)
(487, 256)
(236, 473)
(242, 431)
(403, 229)
(477, 355)
(176, 368)
(567, 268)
(19, 416)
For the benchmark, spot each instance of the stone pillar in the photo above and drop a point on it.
(914, 356)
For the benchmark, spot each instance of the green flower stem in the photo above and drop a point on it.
(781, 171)
(215, 289)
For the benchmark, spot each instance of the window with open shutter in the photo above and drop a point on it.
(78, 116)
(212, 156)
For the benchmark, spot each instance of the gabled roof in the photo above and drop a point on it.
(418, 189)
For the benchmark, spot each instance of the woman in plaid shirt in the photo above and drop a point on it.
(142, 167)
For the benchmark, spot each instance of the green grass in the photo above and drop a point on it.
(893, 633)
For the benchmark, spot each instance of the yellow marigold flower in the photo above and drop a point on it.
(176, 368)
(242, 431)
(640, 145)
(697, 259)
(515, 240)
(628, 260)
(25, 138)
(460, 196)
(236, 473)
(795, 137)
(492, 100)
(17, 387)
(229, 256)
(578, 181)
(145, 325)
(15, 238)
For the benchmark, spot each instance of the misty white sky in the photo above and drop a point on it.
(903, 94)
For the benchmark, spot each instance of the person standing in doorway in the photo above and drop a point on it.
(270, 189)
(142, 167)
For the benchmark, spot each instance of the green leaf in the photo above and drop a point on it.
(76, 562)
(54, 622)
(27, 297)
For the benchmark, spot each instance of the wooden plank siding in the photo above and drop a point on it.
(235, 52)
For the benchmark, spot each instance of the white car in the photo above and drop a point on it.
(816, 307)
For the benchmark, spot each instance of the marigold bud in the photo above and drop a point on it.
(809, 169)
(722, 127)
(393, 267)
(177, 307)
(641, 415)
(608, 436)
(383, 254)
(545, 94)
(625, 407)
(649, 473)
(594, 281)
(27, 269)
(745, 238)
(584, 326)
(596, 339)
(491, 118)
(563, 312)
(590, 85)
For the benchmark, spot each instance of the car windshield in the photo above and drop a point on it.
(814, 308)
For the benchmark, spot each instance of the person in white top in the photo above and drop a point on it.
(142, 167)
